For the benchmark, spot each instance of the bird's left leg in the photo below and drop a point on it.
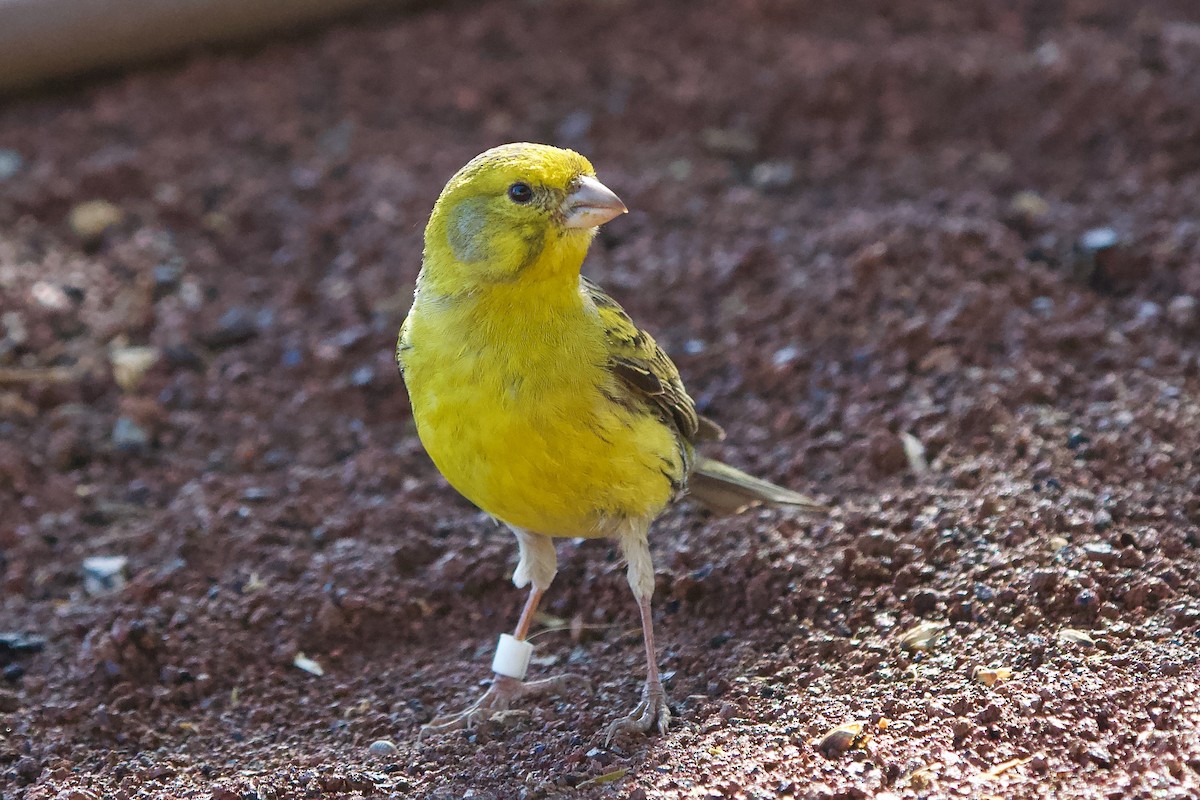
(536, 568)
(653, 711)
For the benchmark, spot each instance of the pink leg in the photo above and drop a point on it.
(653, 710)
(504, 690)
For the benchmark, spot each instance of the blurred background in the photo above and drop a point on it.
(936, 261)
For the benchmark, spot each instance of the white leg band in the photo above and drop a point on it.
(512, 657)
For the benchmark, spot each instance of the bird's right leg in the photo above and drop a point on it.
(653, 712)
(536, 568)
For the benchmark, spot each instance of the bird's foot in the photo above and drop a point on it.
(651, 712)
(497, 699)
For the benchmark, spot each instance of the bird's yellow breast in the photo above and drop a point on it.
(515, 405)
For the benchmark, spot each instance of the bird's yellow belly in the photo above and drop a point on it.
(548, 453)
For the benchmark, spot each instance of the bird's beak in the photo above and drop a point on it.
(591, 204)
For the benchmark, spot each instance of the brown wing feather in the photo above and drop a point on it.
(648, 376)
(644, 369)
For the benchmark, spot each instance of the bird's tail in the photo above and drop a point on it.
(724, 490)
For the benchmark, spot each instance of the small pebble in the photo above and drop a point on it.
(14, 644)
(128, 436)
(575, 126)
(166, 279)
(102, 574)
(1043, 580)
(773, 176)
(50, 295)
(183, 357)
(1099, 239)
(728, 142)
(1101, 552)
(236, 326)
(1184, 311)
(924, 602)
(10, 163)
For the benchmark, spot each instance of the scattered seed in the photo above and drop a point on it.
(922, 636)
(308, 665)
(607, 777)
(842, 738)
(1073, 636)
(989, 676)
(89, 220)
(129, 365)
(1005, 766)
(914, 451)
(383, 748)
(1028, 205)
(921, 779)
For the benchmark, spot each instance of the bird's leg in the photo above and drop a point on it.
(653, 711)
(537, 565)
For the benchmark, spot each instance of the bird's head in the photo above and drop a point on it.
(518, 211)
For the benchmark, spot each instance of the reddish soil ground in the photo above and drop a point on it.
(973, 224)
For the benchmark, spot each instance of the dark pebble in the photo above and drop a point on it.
(180, 356)
(1043, 580)
(166, 279)
(961, 611)
(14, 644)
(128, 436)
(236, 326)
(292, 357)
(1101, 552)
(924, 602)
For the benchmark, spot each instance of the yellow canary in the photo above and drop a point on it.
(540, 400)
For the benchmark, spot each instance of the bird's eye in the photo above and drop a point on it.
(520, 193)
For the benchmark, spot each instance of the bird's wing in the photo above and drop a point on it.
(645, 371)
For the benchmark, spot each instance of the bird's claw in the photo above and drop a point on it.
(497, 699)
(652, 709)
